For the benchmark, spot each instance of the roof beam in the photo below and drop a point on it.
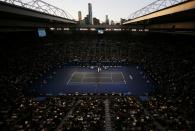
(167, 11)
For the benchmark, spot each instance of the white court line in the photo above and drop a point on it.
(111, 78)
(131, 77)
(123, 78)
(70, 78)
(96, 77)
(83, 76)
(94, 83)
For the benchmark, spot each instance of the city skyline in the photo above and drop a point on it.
(113, 8)
(89, 19)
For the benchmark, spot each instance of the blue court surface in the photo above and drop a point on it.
(75, 79)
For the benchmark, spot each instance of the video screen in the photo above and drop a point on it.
(42, 32)
(100, 31)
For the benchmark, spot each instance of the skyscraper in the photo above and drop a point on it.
(96, 21)
(90, 14)
(122, 21)
(79, 16)
(112, 22)
(107, 20)
(86, 19)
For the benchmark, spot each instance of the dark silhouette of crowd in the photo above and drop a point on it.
(167, 58)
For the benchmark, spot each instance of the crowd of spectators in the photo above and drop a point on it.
(88, 114)
(128, 114)
(168, 59)
(170, 63)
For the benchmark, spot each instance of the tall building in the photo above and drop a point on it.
(87, 20)
(96, 21)
(122, 21)
(112, 22)
(79, 16)
(107, 20)
(90, 14)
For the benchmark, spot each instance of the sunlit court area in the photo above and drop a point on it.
(97, 65)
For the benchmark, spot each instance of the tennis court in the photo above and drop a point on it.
(96, 78)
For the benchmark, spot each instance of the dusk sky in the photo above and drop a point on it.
(115, 9)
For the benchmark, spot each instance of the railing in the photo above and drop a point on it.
(40, 6)
(153, 7)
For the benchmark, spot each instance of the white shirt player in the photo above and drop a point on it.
(99, 69)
